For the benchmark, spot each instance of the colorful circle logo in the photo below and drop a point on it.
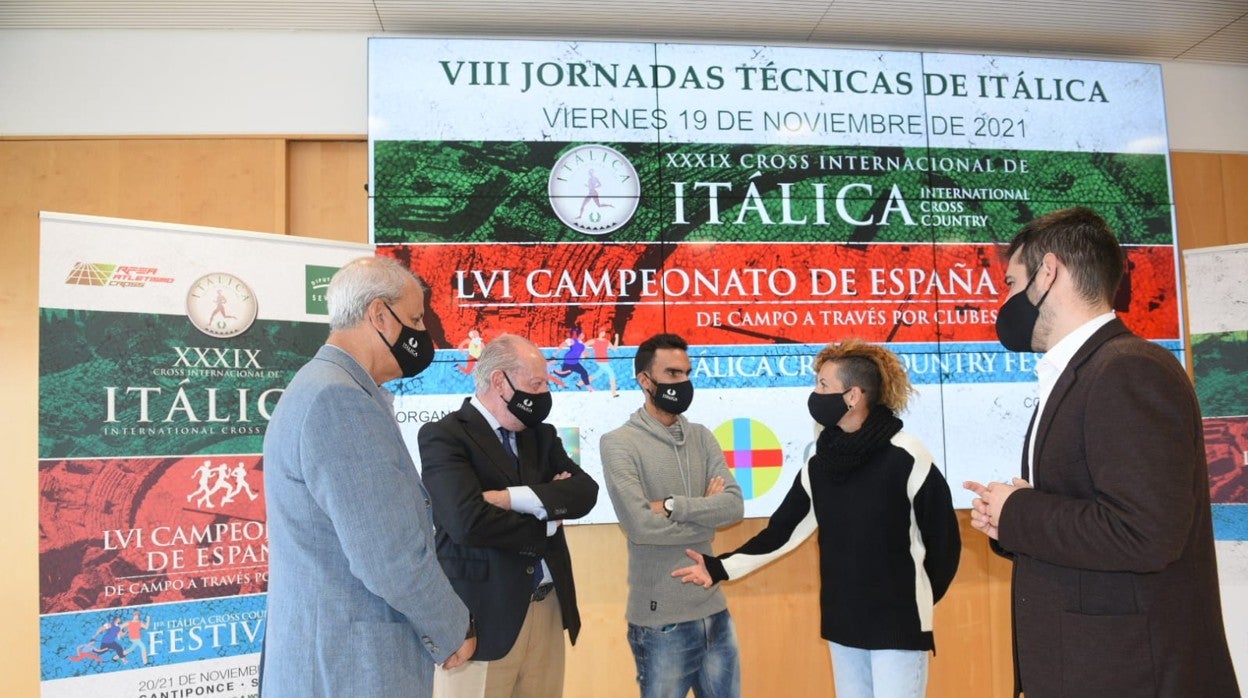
(753, 454)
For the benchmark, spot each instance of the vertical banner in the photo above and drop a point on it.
(163, 350)
(1217, 302)
(761, 202)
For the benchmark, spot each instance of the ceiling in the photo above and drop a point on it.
(1209, 31)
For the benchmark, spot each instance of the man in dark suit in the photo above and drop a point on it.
(501, 484)
(1115, 583)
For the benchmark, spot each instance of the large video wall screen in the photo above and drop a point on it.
(760, 201)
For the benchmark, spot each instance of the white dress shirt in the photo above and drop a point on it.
(1051, 366)
(523, 499)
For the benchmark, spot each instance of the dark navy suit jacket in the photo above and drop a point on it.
(489, 553)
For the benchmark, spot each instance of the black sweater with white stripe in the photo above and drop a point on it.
(888, 545)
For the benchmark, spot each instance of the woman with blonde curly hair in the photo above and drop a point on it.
(888, 535)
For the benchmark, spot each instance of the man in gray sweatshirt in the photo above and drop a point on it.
(671, 489)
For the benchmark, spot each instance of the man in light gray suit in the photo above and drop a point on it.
(358, 604)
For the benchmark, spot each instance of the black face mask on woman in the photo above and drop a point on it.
(413, 348)
(827, 408)
(672, 398)
(530, 408)
(1016, 320)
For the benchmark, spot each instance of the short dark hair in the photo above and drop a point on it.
(1083, 242)
(646, 350)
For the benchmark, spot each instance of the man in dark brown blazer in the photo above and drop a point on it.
(1115, 587)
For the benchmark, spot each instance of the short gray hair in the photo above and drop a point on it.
(360, 282)
(500, 354)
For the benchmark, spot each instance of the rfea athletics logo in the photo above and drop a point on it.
(221, 305)
(97, 274)
(594, 189)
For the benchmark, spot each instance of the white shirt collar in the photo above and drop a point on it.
(489, 417)
(1057, 358)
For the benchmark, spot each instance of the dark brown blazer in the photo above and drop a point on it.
(1115, 583)
(489, 553)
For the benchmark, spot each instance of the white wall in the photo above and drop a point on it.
(182, 83)
(55, 83)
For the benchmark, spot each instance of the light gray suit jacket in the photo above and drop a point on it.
(358, 604)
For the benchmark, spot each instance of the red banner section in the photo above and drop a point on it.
(735, 293)
(1226, 446)
(124, 532)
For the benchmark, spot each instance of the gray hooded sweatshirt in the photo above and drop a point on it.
(644, 461)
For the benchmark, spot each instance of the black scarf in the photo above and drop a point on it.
(840, 453)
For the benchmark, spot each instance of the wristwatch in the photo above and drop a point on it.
(669, 505)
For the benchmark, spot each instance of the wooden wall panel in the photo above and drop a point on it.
(601, 663)
(19, 422)
(328, 195)
(1211, 207)
(776, 611)
(1235, 197)
(230, 183)
(1198, 198)
(315, 188)
(236, 183)
(1211, 198)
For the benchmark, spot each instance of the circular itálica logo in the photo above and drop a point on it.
(594, 189)
(221, 305)
(753, 454)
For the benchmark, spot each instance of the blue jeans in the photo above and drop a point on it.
(697, 654)
(861, 673)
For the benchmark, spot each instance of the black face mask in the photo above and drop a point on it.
(827, 408)
(672, 398)
(530, 408)
(1016, 320)
(413, 348)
